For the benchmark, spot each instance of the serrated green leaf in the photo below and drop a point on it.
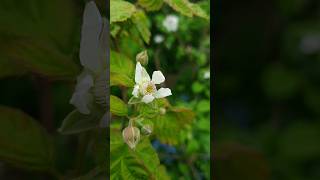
(151, 5)
(24, 143)
(121, 64)
(117, 106)
(76, 122)
(120, 79)
(141, 22)
(120, 10)
(198, 11)
(127, 164)
(167, 125)
(186, 8)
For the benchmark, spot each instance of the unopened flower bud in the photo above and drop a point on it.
(162, 111)
(142, 57)
(147, 129)
(131, 136)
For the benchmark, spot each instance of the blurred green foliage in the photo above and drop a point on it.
(267, 60)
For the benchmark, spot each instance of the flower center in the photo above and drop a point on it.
(148, 88)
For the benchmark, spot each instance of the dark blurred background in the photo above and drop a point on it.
(267, 89)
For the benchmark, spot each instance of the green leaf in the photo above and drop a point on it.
(24, 143)
(120, 79)
(139, 164)
(76, 122)
(121, 64)
(134, 100)
(141, 22)
(120, 10)
(186, 8)
(151, 5)
(7, 68)
(40, 57)
(32, 44)
(117, 106)
(100, 172)
(167, 125)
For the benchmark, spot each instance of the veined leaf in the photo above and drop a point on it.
(120, 79)
(120, 10)
(151, 5)
(139, 164)
(24, 143)
(187, 8)
(166, 126)
(76, 122)
(120, 64)
(141, 21)
(117, 106)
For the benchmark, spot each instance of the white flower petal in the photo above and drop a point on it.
(135, 91)
(81, 97)
(89, 45)
(158, 77)
(162, 92)
(84, 82)
(147, 98)
(141, 74)
(81, 100)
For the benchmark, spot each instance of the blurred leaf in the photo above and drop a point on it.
(203, 106)
(151, 5)
(299, 142)
(28, 39)
(141, 163)
(23, 142)
(7, 68)
(197, 87)
(141, 21)
(40, 58)
(76, 122)
(98, 173)
(235, 161)
(117, 106)
(280, 83)
(120, 10)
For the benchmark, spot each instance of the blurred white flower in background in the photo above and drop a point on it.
(171, 23)
(310, 44)
(158, 38)
(206, 74)
(146, 87)
(92, 82)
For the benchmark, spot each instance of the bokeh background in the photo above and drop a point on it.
(267, 90)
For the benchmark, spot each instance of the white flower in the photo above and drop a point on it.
(158, 39)
(310, 44)
(146, 87)
(206, 75)
(92, 83)
(171, 23)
